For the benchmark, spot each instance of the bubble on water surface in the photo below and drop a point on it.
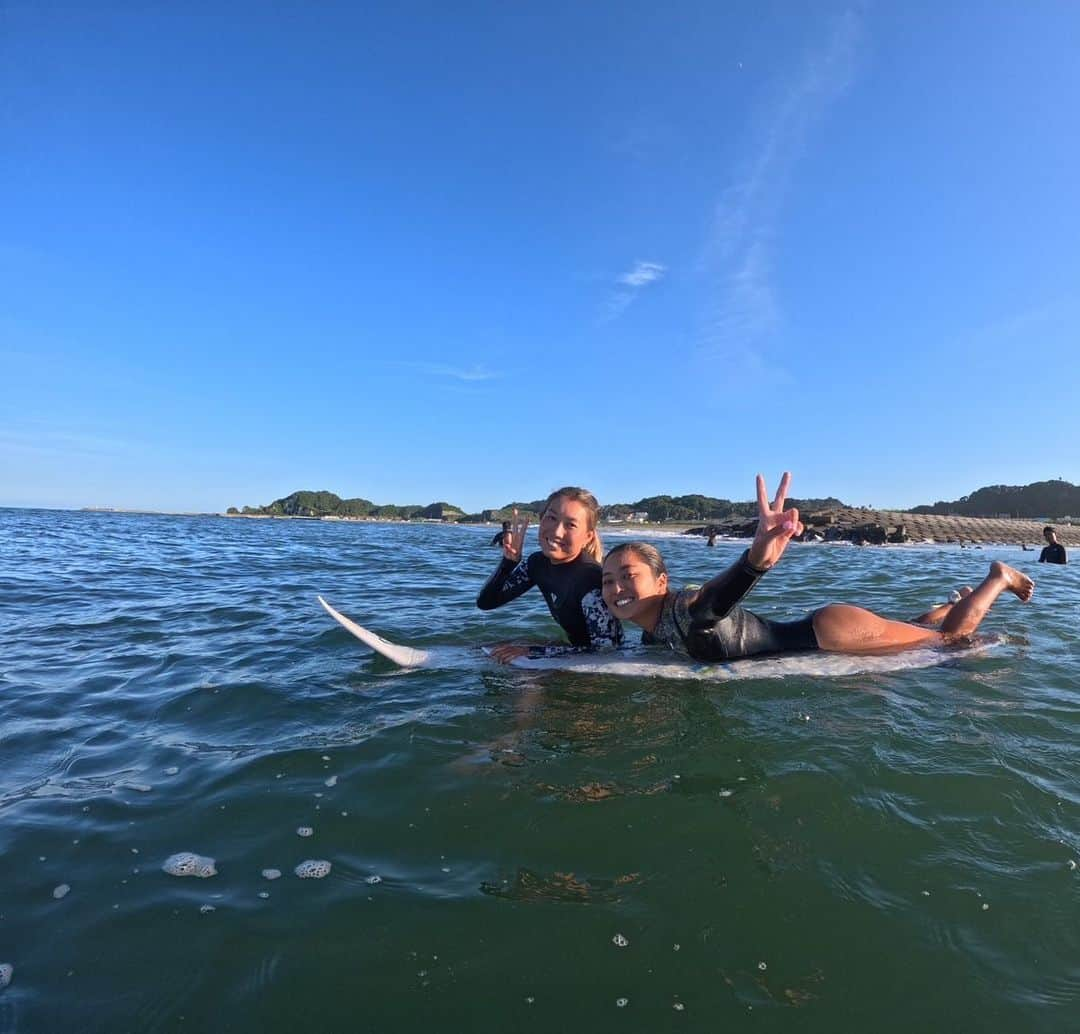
(678, 1006)
(762, 966)
(622, 1003)
(619, 941)
(326, 757)
(207, 908)
(7, 970)
(312, 869)
(264, 893)
(171, 770)
(373, 880)
(332, 781)
(304, 831)
(141, 787)
(187, 863)
(61, 891)
(1070, 865)
(271, 874)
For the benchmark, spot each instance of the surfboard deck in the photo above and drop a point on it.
(643, 662)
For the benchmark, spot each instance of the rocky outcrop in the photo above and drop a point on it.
(878, 527)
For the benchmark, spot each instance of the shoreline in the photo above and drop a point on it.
(851, 526)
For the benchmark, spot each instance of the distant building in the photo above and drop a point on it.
(638, 517)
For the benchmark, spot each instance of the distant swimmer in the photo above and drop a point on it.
(500, 535)
(1053, 552)
(566, 570)
(709, 625)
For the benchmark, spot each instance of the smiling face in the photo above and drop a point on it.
(632, 590)
(564, 530)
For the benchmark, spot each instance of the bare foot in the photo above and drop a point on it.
(1018, 583)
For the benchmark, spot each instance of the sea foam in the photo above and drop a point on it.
(312, 869)
(187, 863)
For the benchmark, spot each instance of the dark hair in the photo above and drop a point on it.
(1049, 529)
(649, 556)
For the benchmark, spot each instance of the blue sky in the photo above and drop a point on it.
(471, 252)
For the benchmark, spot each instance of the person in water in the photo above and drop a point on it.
(709, 625)
(497, 538)
(566, 570)
(1053, 552)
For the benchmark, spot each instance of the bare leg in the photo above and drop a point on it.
(935, 615)
(845, 629)
(966, 615)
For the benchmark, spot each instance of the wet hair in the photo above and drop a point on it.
(594, 550)
(648, 555)
(1048, 530)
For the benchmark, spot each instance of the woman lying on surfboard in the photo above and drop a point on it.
(566, 570)
(709, 625)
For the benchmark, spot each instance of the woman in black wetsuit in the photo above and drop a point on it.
(566, 570)
(709, 625)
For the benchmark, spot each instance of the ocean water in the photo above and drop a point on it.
(513, 850)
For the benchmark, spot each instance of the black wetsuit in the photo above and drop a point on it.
(714, 628)
(572, 592)
(1053, 554)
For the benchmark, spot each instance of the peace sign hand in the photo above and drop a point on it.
(776, 526)
(514, 539)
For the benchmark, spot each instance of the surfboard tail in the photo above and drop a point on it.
(404, 656)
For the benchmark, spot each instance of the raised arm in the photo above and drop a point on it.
(511, 578)
(718, 595)
(507, 583)
(776, 528)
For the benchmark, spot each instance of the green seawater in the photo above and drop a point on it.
(513, 850)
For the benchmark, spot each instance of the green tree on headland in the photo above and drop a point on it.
(1049, 500)
(683, 508)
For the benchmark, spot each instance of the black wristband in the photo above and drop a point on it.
(756, 571)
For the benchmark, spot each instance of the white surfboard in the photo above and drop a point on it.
(405, 656)
(643, 662)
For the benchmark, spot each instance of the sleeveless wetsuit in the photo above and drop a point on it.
(572, 592)
(714, 628)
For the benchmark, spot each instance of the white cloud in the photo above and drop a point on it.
(745, 312)
(630, 284)
(643, 273)
(477, 372)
